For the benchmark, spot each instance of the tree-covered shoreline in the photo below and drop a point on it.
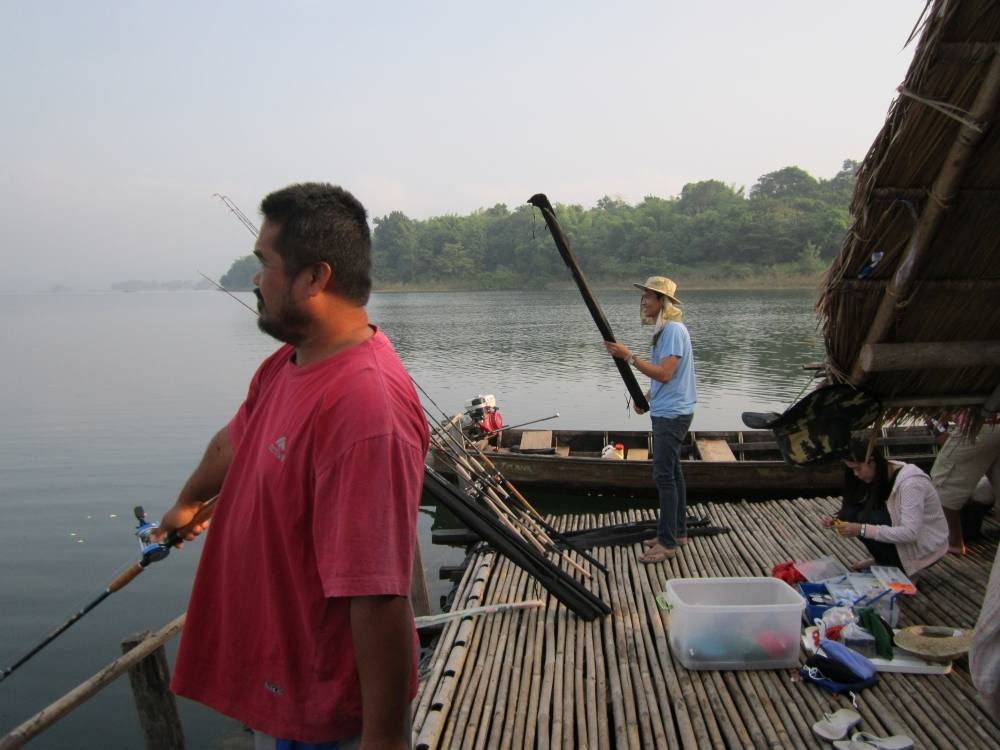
(784, 233)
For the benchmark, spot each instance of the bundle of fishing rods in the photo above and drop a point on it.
(492, 507)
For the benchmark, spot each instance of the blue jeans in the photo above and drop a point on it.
(668, 435)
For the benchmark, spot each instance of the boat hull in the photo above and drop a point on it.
(573, 464)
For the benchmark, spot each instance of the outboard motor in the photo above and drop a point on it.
(481, 417)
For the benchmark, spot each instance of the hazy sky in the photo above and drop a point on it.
(121, 119)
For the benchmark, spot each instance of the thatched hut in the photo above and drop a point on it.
(911, 307)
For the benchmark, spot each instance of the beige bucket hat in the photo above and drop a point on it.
(661, 285)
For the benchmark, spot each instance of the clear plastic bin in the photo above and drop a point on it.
(734, 623)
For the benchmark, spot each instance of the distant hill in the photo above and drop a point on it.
(134, 285)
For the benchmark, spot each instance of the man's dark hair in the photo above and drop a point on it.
(323, 223)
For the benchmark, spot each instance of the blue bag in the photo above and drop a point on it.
(839, 669)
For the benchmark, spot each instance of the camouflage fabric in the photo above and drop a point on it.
(818, 427)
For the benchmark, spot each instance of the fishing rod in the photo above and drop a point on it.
(523, 424)
(489, 493)
(498, 477)
(223, 289)
(150, 551)
(242, 217)
(541, 202)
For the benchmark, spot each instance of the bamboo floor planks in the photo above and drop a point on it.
(545, 679)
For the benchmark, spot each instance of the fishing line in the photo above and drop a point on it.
(223, 289)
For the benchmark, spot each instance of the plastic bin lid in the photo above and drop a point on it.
(821, 569)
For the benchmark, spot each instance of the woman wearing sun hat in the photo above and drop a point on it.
(672, 398)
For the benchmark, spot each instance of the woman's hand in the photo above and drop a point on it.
(846, 528)
(618, 351)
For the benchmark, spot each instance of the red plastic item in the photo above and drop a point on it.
(787, 572)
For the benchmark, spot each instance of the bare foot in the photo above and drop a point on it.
(863, 564)
(650, 543)
(658, 554)
(959, 550)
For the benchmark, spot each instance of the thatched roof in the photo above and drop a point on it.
(928, 199)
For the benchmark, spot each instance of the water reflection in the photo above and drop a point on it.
(540, 352)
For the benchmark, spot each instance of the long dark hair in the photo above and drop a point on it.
(874, 493)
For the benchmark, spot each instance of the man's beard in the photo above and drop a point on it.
(289, 325)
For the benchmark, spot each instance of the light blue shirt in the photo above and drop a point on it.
(677, 397)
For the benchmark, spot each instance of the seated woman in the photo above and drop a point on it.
(894, 509)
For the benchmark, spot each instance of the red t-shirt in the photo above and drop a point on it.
(319, 505)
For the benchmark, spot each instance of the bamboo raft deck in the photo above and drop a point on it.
(544, 679)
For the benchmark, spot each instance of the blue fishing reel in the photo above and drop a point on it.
(150, 551)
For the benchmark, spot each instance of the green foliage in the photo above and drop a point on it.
(790, 223)
(239, 277)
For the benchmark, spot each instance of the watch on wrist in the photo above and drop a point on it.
(631, 359)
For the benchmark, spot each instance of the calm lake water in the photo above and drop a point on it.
(109, 399)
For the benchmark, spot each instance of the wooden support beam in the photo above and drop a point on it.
(942, 192)
(420, 599)
(918, 195)
(150, 680)
(929, 355)
(918, 402)
(992, 404)
(966, 53)
(951, 286)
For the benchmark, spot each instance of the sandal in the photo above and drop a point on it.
(835, 726)
(658, 555)
(865, 741)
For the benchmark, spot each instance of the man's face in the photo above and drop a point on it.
(650, 306)
(279, 314)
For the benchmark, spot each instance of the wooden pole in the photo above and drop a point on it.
(992, 403)
(929, 355)
(50, 715)
(541, 202)
(150, 679)
(419, 597)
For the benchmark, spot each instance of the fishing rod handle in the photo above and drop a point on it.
(125, 577)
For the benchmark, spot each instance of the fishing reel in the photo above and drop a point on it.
(150, 550)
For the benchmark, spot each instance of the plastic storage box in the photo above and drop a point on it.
(734, 623)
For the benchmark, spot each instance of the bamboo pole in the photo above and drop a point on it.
(928, 355)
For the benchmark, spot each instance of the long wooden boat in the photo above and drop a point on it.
(741, 463)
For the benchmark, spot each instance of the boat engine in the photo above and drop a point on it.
(481, 417)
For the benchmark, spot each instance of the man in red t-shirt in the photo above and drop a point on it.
(299, 623)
